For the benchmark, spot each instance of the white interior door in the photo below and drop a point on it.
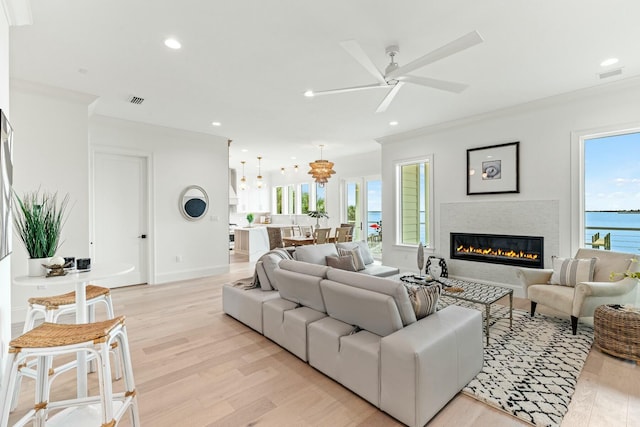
(120, 215)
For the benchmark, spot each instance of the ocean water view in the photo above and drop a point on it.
(623, 226)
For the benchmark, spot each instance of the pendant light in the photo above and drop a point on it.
(321, 170)
(243, 180)
(259, 181)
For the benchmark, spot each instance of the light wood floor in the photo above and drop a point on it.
(195, 366)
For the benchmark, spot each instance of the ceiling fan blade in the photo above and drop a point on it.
(354, 49)
(346, 89)
(464, 42)
(387, 99)
(435, 83)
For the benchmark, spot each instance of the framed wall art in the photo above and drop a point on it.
(493, 169)
(6, 177)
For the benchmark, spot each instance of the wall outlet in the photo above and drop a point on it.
(178, 258)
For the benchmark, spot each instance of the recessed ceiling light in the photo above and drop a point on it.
(244, 150)
(393, 123)
(309, 94)
(293, 157)
(172, 43)
(608, 62)
(216, 124)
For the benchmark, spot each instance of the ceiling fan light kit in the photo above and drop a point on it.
(395, 75)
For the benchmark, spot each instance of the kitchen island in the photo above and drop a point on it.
(251, 241)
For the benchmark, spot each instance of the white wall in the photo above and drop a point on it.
(180, 159)
(50, 153)
(544, 130)
(5, 264)
(361, 165)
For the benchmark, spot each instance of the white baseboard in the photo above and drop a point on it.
(195, 273)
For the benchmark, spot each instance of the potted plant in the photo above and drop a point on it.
(38, 220)
(250, 219)
(317, 215)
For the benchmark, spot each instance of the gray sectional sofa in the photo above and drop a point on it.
(362, 332)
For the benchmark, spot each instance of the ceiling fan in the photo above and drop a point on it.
(395, 76)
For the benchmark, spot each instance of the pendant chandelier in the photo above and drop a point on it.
(321, 170)
(259, 181)
(243, 180)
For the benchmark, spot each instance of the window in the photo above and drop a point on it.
(279, 200)
(611, 196)
(321, 197)
(291, 205)
(414, 202)
(304, 199)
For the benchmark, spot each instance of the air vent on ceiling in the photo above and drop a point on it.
(135, 100)
(611, 73)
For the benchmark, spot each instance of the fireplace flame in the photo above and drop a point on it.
(510, 253)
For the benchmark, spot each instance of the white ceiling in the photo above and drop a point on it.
(246, 63)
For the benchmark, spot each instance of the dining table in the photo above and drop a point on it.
(303, 240)
(79, 278)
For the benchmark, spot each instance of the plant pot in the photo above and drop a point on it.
(36, 268)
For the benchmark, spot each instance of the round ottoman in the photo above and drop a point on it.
(616, 331)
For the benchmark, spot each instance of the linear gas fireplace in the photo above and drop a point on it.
(522, 251)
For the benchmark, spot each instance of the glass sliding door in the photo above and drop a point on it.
(353, 214)
(374, 216)
(363, 209)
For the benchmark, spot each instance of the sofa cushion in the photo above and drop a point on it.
(571, 271)
(364, 249)
(303, 289)
(356, 256)
(315, 254)
(380, 270)
(269, 263)
(304, 268)
(372, 311)
(341, 262)
(386, 286)
(424, 299)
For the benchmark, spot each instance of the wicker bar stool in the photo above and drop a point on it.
(51, 308)
(53, 339)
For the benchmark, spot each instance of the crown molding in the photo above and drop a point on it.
(18, 12)
(618, 85)
(52, 91)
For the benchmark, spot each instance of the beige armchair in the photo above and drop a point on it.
(582, 300)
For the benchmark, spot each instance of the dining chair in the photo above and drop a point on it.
(275, 237)
(350, 226)
(286, 231)
(343, 234)
(321, 235)
(295, 229)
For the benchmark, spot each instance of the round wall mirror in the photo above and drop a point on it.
(194, 202)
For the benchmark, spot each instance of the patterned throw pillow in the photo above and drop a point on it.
(341, 262)
(424, 299)
(571, 271)
(358, 262)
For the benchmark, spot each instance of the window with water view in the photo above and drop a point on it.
(612, 193)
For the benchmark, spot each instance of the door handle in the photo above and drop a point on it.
(142, 236)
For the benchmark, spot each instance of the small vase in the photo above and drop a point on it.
(35, 266)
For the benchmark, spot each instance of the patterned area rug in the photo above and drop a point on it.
(531, 370)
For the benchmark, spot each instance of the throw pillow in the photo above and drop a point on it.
(358, 262)
(364, 249)
(571, 271)
(341, 262)
(424, 299)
